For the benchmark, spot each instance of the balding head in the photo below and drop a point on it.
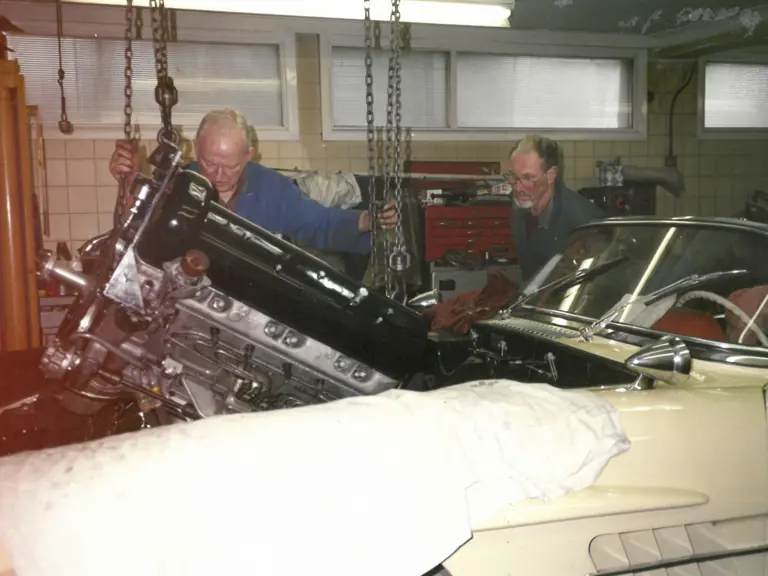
(228, 122)
(533, 171)
(544, 148)
(223, 149)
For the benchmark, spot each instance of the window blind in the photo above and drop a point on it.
(207, 75)
(529, 92)
(424, 88)
(735, 95)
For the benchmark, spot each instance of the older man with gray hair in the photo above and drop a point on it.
(268, 199)
(546, 211)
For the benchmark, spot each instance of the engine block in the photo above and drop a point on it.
(235, 358)
(197, 309)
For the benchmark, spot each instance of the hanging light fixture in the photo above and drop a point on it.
(467, 13)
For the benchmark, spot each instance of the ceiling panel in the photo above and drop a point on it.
(626, 16)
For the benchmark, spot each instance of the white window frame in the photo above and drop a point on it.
(454, 43)
(86, 21)
(704, 133)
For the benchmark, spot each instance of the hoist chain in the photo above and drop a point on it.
(127, 108)
(388, 153)
(65, 126)
(396, 257)
(166, 95)
(128, 74)
(399, 259)
(372, 195)
(408, 145)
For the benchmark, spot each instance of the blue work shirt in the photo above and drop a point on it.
(272, 201)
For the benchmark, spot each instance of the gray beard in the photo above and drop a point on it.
(521, 205)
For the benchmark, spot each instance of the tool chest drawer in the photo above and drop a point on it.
(468, 229)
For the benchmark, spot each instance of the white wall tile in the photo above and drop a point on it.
(56, 172)
(59, 227)
(82, 200)
(103, 175)
(81, 172)
(54, 149)
(84, 226)
(58, 200)
(107, 196)
(106, 221)
(79, 149)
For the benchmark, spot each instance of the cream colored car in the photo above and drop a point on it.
(665, 319)
(651, 330)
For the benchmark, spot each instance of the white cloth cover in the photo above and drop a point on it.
(333, 190)
(373, 485)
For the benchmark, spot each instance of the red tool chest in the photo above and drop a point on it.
(472, 229)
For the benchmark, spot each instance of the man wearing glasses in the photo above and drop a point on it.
(546, 211)
(265, 197)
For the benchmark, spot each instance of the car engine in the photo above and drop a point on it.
(197, 310)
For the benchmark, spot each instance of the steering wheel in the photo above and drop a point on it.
(728, 305)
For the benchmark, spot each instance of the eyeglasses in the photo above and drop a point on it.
(225, 170)
(526, 180)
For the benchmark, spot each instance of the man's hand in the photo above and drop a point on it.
(125, 158)
(386, 219)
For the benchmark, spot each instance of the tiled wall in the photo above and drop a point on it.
(719, 173)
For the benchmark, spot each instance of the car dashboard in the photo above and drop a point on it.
(529, 350)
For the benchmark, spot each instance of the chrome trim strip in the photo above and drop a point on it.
(685, 561)
(682, 221)
(705, 350)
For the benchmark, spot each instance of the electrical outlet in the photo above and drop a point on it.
(670, 162)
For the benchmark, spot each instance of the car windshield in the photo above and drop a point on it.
(630, 260)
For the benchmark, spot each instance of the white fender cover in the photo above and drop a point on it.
(375, 485)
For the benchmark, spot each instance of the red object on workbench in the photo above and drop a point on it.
(481, 169)
(470, 229)
(458, 314)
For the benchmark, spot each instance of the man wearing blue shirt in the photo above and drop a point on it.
(257, 193)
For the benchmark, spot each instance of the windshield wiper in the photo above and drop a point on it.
(569, 280)
(686, 283)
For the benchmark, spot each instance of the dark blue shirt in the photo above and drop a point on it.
(545, 239)
(272, 201)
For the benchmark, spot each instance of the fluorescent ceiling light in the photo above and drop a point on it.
(415, 11)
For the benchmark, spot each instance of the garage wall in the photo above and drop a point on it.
(719, 173)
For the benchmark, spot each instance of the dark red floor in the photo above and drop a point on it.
(31, 416)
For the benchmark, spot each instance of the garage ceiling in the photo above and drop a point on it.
(627, 16)
(678, 28)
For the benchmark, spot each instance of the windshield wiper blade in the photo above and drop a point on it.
(569, 280)
(686, 283)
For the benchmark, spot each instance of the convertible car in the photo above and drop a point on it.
(610, 420)
(665, 319)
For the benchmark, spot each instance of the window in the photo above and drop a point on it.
(424, 78)
(526, 92)
(479, 87)
(735, 96)
(207, 75)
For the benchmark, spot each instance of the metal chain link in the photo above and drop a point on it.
(379, 259)
(389, 144)
(166, 95)
(399, 260)
(159, 36)
(65, 126)
(408, 144)
(380, 149)
(118, 215)
(128, 74)
(373, 203)
(396, 257)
